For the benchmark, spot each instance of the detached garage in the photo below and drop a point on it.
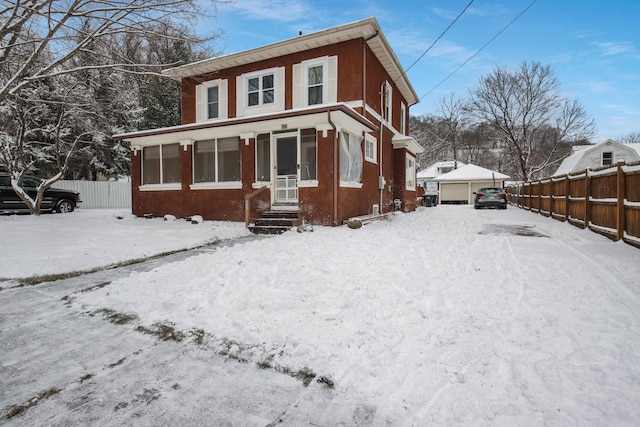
(459, 185)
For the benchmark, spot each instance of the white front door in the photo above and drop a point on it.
(286, 170)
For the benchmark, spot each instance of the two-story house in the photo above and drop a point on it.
(316, 124)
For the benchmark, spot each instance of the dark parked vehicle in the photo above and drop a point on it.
(55, 199)
(490, 197)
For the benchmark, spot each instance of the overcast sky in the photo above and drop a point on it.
(592, 46)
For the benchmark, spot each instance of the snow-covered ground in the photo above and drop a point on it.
(443, 316)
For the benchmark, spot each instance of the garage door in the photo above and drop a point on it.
(454, 192)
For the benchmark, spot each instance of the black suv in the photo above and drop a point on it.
(54, 198)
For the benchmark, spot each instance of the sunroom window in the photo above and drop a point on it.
(216, 160)
(263, 157)
(161, 164)
(308, 156)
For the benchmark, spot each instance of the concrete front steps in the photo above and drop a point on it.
(276, 222)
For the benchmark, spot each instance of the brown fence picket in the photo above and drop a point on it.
(605, 200)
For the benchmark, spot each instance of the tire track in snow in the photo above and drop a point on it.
(629, 298)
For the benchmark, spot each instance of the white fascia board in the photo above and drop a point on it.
(404, 141)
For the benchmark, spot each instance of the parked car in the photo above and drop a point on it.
(490, 197)
(55, 199)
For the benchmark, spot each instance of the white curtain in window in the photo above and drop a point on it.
(350, 157)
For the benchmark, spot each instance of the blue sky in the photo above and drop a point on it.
(593, 46)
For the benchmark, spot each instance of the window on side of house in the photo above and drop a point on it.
(607, 158)
(410, 173)
(161, 164)
(350, 158)
(403, 119)
(263, 157)
(387, 113)
(260, 90)
(370, 149)
(308, 155)
(216, 160)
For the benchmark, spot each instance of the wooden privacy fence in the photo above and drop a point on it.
(606, 200)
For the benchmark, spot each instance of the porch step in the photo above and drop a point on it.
(276, 222)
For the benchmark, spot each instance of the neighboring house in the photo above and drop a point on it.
(319, 121)
(459, 185)
(426, 176)
(592, 156)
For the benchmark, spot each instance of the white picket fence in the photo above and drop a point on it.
(100, 194)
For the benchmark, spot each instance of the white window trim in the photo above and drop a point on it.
(403, 118)
(227, 185)
(345, 184)
(202, 100)
(161, 187)
(613, 158)
(308, 183)
(370, 139)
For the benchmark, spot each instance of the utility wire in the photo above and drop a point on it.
(436, 40)
(480, 50)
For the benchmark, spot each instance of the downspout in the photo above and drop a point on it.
(383, 95)
(336, 165)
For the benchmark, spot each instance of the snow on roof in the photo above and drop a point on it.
(569, 163)
(434, 170)
(471, 173)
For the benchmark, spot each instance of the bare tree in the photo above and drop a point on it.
(440, 134)
(526, 108)
(41, 42)
(632, 138)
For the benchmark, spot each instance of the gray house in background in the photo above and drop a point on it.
(592, 156)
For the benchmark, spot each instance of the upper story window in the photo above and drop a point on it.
(607, 158)
(315, 81)
(211, 100)
(403, 119)
(388, 92)
(261, 90)
(315, 84)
